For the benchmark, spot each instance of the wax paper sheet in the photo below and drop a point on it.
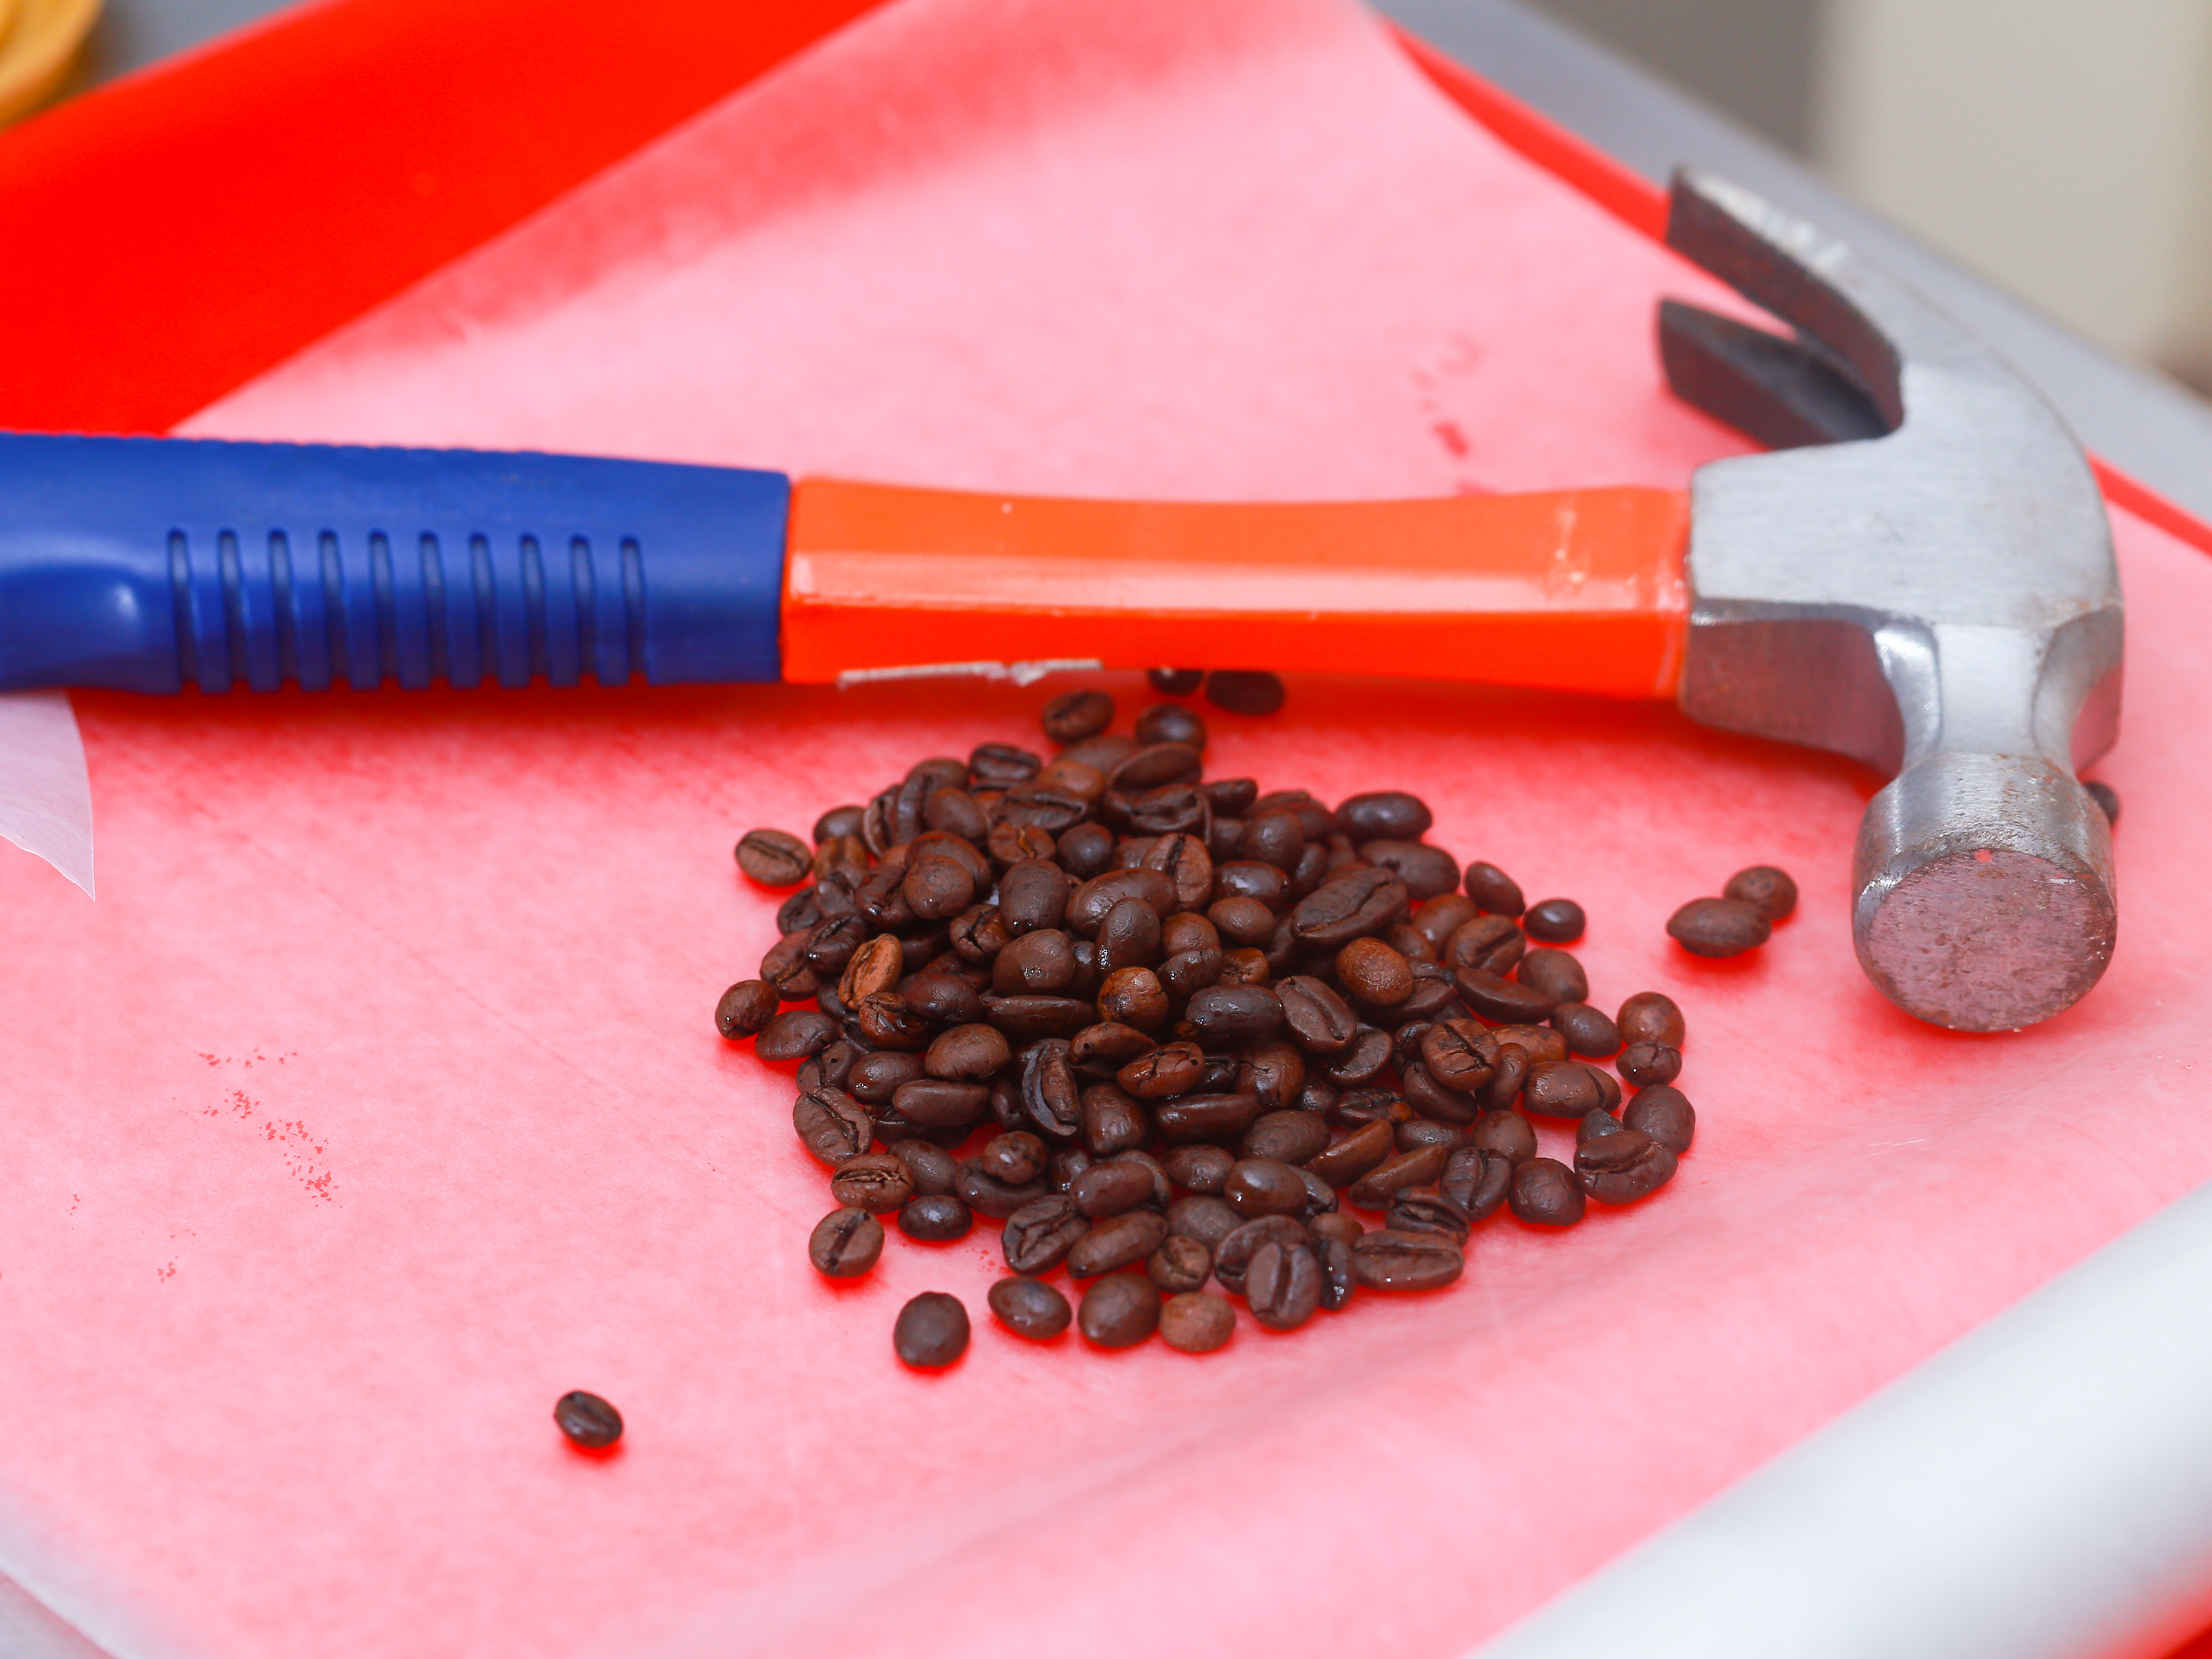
(45, 799)
(378, 1102)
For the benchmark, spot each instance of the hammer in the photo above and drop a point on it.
(1923, 582)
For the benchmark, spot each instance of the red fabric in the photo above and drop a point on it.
(375, 1103)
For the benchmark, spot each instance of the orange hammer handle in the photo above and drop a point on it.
(1578, 590)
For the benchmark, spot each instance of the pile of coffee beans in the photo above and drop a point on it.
(1741, 919)
(1173, 1031)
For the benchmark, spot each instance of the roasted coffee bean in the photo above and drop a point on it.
(930, 1170)
(1562, 1087)
(1068, 1167)
(1388, 1259)
(1357, 1153)
(1273, 1071)
(795, 1034)
(937, 889)
(887, 1020)
(980, 1190)
(1086, 850)
(978, 934)
(1174, 682)
(1105, 752)
(1429, 1212)
(931, 1331)
(1030, 1307)
(832, 1125)
(1477, 1181)
(1128, 937)
(1173, 1069)
(1170, 722)
(1554, 921)
(1244, 691)
(1432, 1099)
(845, 1243)
(1505, 1085)
(876, 1078)
(590, 1422)
(1006, 1102)
(1282, 1285)
(1587, 1030)
(1233, 1255)
(803, 909)
(1338, 1224)
(1117, 1241)
(875, 966)
(1032, 1019)
(1651, 1017)
(936, 1218)
(1596, 1125)
(1181, 1264)
(1033, 894)
(1619, 1168)
(1186, 973)
(1545, 1193)
(775, 858)
(1038, 964)
(1085, 783)
(1419, 1132)
(1119, 1311)
(1201, 1169)
(937, 1103)
(1088, 905)
(878, 897)
(846, 856)
(1245, 966)
(1493, 944)
(1274, 838)
(1506, 1133)
(874, 1182)
(1264, 1186)
(1493, 890)
(1555, 973)
(1433, 997)
(831, 946)
(1287, 1137)
(1459, 1054)
(1174, 809)
(1038, 1236)
(1001, 765)
(968, 1054)
(1349, 904)
(1074, 715)
(1644, 1064)
(1665, 1115)
(1764, 886)
(1437, 918)
(830, 1069)
(1422, 1167)
(1112, 1122)
(1197, 1321)
(1499, 999)
(1133, 997)
(785, 968)
(1242, 921)
(1371, 972)
(1249, 878)
(1385, 814)
(1155, 765)
(1215, 1117)
(1009, 843)
(1225, 1015)
(2107, 799)
(1719, 926)
(1205, 1218)
(1314, 1016)
(1016, 1157)
(1108, 1188)
(1367, 1058)
(954, 812)
(1187, 930)
(1338, 1278)
(1409, 942)
(1426, 870)
(838, 822)
(745, 1008)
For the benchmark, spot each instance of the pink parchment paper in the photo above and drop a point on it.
(377, 1102)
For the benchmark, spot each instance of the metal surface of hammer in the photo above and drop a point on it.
(1931, 590)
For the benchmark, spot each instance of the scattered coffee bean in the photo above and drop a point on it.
(1197, 1321)
(1646, 1063)
(1388, 1260)
(1170, 722)
(936, 1218)
(1174, 682)
(795, 1034)
(1719, 926)
(587, 1421)
(1282, 1285)
(1764, 886)
(774, 857)
(1554, 921)
(1546, 1192)
(1650, 1017)
(931, 1331)
(1493, 890)
(1244, 691)
(1030, 1307)
(1182, 1263)
(1119, 1311)
(746, 1007)
(1372, 973)
(1619, 1168)
(1588, 1030)
(845, 1243)
(874, 1182)
(1074, 715)
(1665, 1115)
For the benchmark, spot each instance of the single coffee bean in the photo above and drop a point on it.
(1108, 1188)
(589, 1421)
(937, 889)
(1536, 1041)
(1385, 814)
(1074, 715)
(1438, 919)
(1459, 1054)
(1232, 1256)
(1477, 1182)
(1261, 1186)
(1030, 1307)
(1663, 1113)
(1351, 904)
(1218, 1118)
(1174, 682)
(833, 1125)
(1426, 870)
(1430, 1098)
(1087, 906)
(1356, 1154)
(1545, 1193)
(1502, 1000)
(936, 1218)
(889, 1021)
(1504, 1088)
(1112, 1121)
(845, 1243)
(1067, 1166)
(1555, 973)
(1288, 1136)
(1133, 997)
(795, 1034)
(1493, 890)
(937, 1103)
(1170, 722)
(1085, 783)
(1429, 1211)
(930, 1170)
(1226, 1015)
(1562, 1087)
(1650, 1017)
(1621, 1168)
(1251, 878)
(876, 1078)
(1388, 1259)
(1155, 765)
(1242, 921)
(1016, 1157)
(833, 942)
(1038, 1236)
(980, 1190)
(1764, 886)
(1052, 1094)
(1001, 765)
(1042, 963)
(1273, 1071)
(1200, 1169)
(1086, 850)
(1506, 1133)
(1183, 859)
(873, 967)
(1493, 944)
(2107, 799)
(1174, 1069)
(1555, 920)
(1338, 1224)
(1116, 1242)
(1027, 1019)
(837, 822)
(1427, 1132)
(1420, 1168)
(968, 1054)
(1647, 1063)
(1205, 1218)
(931, 1331)
(829, 1069)
(1316, 1018)
(1274, 838)
(1338, 1277)
(1719, 926)
(1197, 1321)
(775, 858)
(954, 812)
(1282, 1285)
(1597, 1126)
(1587, 1029)
(1119, 1311)
(874, 1182)
(1371, 972)
(1180, 1265)
(1244, 691)
(746, 1007)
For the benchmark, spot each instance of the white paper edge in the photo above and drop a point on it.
(46, 795)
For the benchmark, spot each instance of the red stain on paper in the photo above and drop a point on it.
(297, 1144)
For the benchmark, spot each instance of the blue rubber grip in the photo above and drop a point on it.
(148, 563)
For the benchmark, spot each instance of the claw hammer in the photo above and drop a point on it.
(1922, 579)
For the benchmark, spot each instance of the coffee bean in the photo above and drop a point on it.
(1233, 1255)
(937, 1103)
(746, 1007)
(1587, 1029)
(1074, 715)
(1555, 973)
(1505, 1085)
(1537, 1041)
(1196, 1321)
(1665, 1115)
(937, 889)
(874, 1182)
(1088, 905)
(1348, 905)
(1117, 1241)
(1545, 1193)
(829, 1069)
(1719, 926)
(1068, 1167)
(1429, 1212)
(1384, 814)
(1499, 999)
(936, 1218)
(980, 1190)
(589, 1421)
(1174, 682)
(1051, 1095)
(1556, 920)
(1506, 1133)
(967, 1053)
(1650, 1017)
(838, 822)
(1477, 1181)
(1030, 1307)
(1288, 1136)
(1229, 1014)
(795, 1034)
(1242, 921)
(1204, 1218)
(1316, 1018)
(1181, 1264)
(1282, 1285)
(1086, 850)
(1419, 1168)
(1356, 1154)
(774, 857)
(999, 765)
(931, 1331)
(1426, 870)
(1432, 1099)
(1493, 944)
(1065, 777)
(1388, 1259)
(1244, 691)
(845, 1243)
(1647, 1063)
(1372, 973)
(1250, 878)
(1768, 888)
(1206, 1117)
(1273, 1071)
(1427, 1132)
(1032, 1019)
(1172, 1069)
(1459, 1055)
(1263, 1186)
(1200, 1169)
(1108, 1188)
(1119, 1311)
(1493, 890)
(930, 1170)
(1362, 1062)
(1170, 722)
(833, 1125)
(1621, 1168)
(1038, 1235)
(876, 1078)
(1562, 1087)
(2107, 799)
(1595, 1127)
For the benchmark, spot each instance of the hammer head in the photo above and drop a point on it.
(1929, 587)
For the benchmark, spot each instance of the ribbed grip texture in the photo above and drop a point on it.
(152, 563)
